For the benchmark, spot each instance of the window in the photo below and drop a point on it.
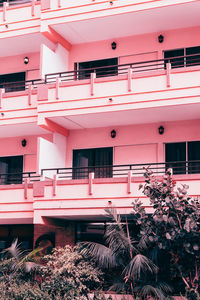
(98, 160)
(175, 157)
(193, 54)
(13, 82)
(177, 62)
(102, 68)
(11, 169)
(184, 57)
(183, 157)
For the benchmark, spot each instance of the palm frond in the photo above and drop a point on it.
(165, 288)
(119, 242)
(14, 250)
(149, 290)
(99, 253)
(138, 265)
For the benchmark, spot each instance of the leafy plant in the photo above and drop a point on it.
(120, 256)
(172, 230)
(64, 275)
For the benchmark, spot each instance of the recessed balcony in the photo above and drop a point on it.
(84, 198)
(120, 94)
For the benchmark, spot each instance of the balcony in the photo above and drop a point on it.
(169, 88)
(76, 194)
(16, 197)
(20, 21)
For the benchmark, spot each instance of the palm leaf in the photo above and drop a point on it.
(149, 290)
(99, 253)
(138, 265)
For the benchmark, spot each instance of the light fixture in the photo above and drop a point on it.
(114, 45)
(113, 134)
(24, 142)
(160, 38)
(161, 130)
(26, 60)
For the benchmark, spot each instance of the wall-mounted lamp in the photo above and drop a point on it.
(26, 60)
(24, 142)
(113, 134)
(161, 130)
(160, 38)
(114, 45)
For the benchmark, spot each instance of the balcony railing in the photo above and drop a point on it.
(112, 171)
(180, 167)
(114, 70)
(18, 178)
(20, 85)
(15, 2)
(106, 71)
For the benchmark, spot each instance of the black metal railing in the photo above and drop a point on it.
(181, 167)
(105, 71)
(114, 70)
(20, 85)
(15, 2)
(18, 178)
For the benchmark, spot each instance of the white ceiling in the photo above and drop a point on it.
(137, 116)
(21, 130)
(21, 44)
(129, 24)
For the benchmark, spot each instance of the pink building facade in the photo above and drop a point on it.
(91, 92)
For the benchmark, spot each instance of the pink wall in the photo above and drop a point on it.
(13, 147)
(148, 144)
(133, 45)
(14, 64)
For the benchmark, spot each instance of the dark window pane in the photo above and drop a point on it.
(13, 82)
(103, 67)
(92, 232)
(11, 169)
(194, 58)
(175, 157)
(194, 157)
(175, 57)
(98, 160)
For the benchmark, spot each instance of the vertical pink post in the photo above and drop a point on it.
(57, 87)
(129, 183)
(26, 183)
(130, 72)
(91, 177)
(59, 3)
(54, 184)
(4, 11)
(168, 72)
(92, 78)
(29, 94)
(33, 8)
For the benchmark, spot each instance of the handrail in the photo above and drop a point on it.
(15, 2)
(113, 70)
(107, 171)
(106, 71)
(18, 177)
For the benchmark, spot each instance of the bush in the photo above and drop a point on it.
(65, 275)
(172, 231)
